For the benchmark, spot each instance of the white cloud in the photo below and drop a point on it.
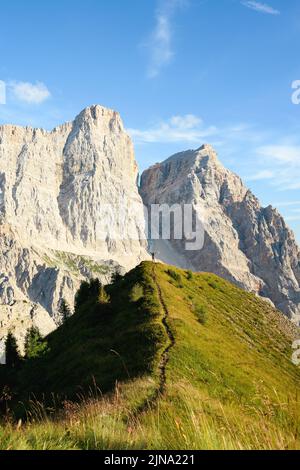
(287, 204)
(30, 93)
(282, 154)
(281, 166)
(187, 128)
(160, 44)
(292, 218)
(261, 175)
(261, 7)
(189, 121)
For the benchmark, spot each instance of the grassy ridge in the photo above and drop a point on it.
(100, 344)
(230, 382)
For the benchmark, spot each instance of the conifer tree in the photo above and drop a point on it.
(35, 345)
(64, 310)
(116, 276)
(12, 355)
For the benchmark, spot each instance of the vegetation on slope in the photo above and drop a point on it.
(189, 360)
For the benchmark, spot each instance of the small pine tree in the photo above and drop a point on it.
(116, 276)
(82, 294)
(95, 286)
(103, 297)
(35, 345)
(12, 355)
(86, 291)
(64, 310)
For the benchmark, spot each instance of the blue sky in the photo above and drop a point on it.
(180, 72)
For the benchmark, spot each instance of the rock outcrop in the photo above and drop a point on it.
(69, 210)
(244, 242)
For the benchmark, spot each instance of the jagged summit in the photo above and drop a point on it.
(95, 112)
(204, 154)
(244, 242)
(53, 187)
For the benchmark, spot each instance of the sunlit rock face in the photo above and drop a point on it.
(244, 242)
(69, 210)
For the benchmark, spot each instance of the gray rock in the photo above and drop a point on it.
(55, 231)
(245, 243)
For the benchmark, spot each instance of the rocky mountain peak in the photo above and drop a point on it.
(54, 188)
(244, 242)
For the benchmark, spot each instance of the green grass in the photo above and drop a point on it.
(76, 264)
(230, 382)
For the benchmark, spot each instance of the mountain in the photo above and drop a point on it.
(59, 194)
(71, 209)
(174, 360)
(244, 242)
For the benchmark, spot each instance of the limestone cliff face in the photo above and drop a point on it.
(60, 215)
(244, 242)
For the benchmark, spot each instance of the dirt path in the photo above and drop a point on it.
(165, 355)
(164, 359)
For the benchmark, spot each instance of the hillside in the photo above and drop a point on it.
(183, 361)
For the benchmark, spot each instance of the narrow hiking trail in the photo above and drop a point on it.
(165, 355)
(164, 359)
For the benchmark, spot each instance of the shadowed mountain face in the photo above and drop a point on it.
(244, 242)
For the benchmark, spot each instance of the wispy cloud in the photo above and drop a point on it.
(281, 166)
(261, 175)
(292, 218)
(190, 128)
(186, 128)
(287, 204)
(260, 7)
(32, 93)
(281, 153)
(160, 44)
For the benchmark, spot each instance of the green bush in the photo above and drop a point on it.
(213, 284)
(201, 313)
(136, 293)
(176, 277)
(103, 297)
(189, 275)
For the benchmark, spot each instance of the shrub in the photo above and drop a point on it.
(137, 292)
(213, 284)
(189, 275)
(201, 314)
(103, 297)
(176, 277)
